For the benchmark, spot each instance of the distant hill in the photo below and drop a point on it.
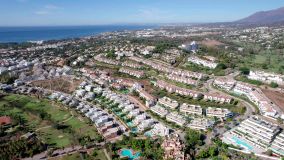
(265, 17)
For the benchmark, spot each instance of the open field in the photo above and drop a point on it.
(59, 84)
(211, 43)
(265, 60)
(276, 97)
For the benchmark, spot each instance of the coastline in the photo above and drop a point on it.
(46, 33)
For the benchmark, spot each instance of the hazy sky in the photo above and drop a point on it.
(92, 12)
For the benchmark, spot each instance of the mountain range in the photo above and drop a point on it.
(265, 17)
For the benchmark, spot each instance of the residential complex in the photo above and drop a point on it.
(176, 118)
(161, 111)
(191, 109)
(200, 124)
(266, 77)
(135, 73)
(206, 62)
(167, 102)
(255, 95)
(254, 134)
(218, 112)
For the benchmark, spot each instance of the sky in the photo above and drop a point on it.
(104, 12)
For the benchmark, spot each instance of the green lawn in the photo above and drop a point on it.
(30, 108)
(55, 137)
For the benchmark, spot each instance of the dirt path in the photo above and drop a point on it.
(105, 151)
(133, 99)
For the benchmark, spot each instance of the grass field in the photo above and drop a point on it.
(265, 60)
(30, 108)
(76, 156)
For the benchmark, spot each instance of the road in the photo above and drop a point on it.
(249, 107)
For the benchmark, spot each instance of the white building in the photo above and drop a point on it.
(167, 102)
(139, 118)
(277, 146)
(191, 109)
(266, 107)
(218, 112)
(161, 111)
(266, 77)
(224, 83)
(254, 131)
(200, 124)
(160, 130)
(202, 61)
(145, 124)
(176, 118)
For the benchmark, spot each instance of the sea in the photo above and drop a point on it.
(24, 34)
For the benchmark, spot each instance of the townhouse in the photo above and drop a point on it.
(175, 89)
(217, 97)
(202, 61)
(191, 109)
(182, 79)
(266, 107)
(103, 59)
(111, 133)
(243, 88)
(167, 102)
(160, 130)
(149, 99)
(135, 73)
(161, 111)
(224, 83)
(106, 124)
(131, 65)
(200, 124)
(218, 112)
(134, 113)
(176, 118)
(167, 69)
(139, 118)
(266, 77)
(145, 124)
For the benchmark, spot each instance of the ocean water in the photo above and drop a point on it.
(23, 34)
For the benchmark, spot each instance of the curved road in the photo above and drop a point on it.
(249, 107)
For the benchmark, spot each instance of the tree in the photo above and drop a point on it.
(221, 66)
(110, 54)
(213, 151)
(273, 85)
(193, 138)
(203, 154)
(244, 70)
(95, 154)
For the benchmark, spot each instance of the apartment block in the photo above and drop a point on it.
(167, 102)
(191, 109)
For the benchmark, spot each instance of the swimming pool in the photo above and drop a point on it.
(148, 134)
(134, 130)
(128, 153)
(130, 124)
(242, 143)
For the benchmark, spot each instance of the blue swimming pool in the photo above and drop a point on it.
(128, 153)
(242, 143)
(134, 130)
(130, 124)
(148, 134)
